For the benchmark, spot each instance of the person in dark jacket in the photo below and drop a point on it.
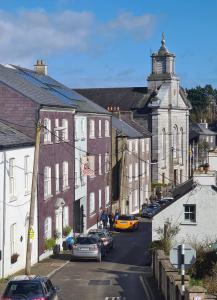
(111, 220)
(104, 219)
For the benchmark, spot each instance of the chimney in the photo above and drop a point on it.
(40, 67)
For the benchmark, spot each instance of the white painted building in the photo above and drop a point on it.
(16, 165)
(80, 204)
(194, 212)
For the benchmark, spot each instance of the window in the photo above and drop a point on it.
(136, 171)
(211, 139)
(147, 168)
(130, 146)
(91, 129)
(92, 203)
(107, 196)
(147, 145)
(65, 216)
(100, 199)
(47, 228)
(76, 173)
(76, 129)
(47, 130)
(175, 142)
(190, 213)
(27, 173)
(12, 177)
(135, 149)
(13, 235)
(182, 145)
(107, 166)
(65, 133)
(57, 139)
(47, 182)
(135, 198)
(100, 164)
(65, 174)
(164, 144)
(57, 177)
(82, 129)
(143, 169)
(141, 196)
(100, 129)
(143, 145)
(130, 173)
(207, 139)
(91, 163)
(107, 134)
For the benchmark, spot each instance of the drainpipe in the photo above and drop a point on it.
(4, 217)
(140, 175)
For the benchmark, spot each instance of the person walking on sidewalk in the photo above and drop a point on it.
(104, 219)
(111, 220)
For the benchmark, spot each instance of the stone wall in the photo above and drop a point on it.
(169, 280)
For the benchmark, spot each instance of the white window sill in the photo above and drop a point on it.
(27, 193)
(65, 141)
(47, 197)
(57, 192)
(100, 137)
(92, 177)
(57, 142)
(66, 188)
(189, 223)
(107, 136)
(91, 137)
(12, 198)
(48, 143)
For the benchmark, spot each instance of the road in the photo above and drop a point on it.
(123, 273)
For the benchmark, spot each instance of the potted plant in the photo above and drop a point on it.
(49, 243)
(14, 258)
(66, 230)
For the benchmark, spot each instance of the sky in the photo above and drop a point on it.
(99, 43)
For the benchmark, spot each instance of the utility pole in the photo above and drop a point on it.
(32, 200)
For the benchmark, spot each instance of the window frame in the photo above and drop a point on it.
(47, 130)
(107, 162)
(65, 170)
(12, 177)
(107, 128)
(57, 178)
(189, 213)
(27, 174)
(100, 129)
(92, 129)
(92, 203)
(47, 182)
(65, 130)
(107, 195)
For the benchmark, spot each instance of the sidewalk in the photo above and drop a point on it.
(47, 267)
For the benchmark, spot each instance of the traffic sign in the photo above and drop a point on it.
(175, 256)
(31, 234)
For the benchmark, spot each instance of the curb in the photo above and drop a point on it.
(58, 269)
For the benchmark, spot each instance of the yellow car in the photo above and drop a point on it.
(126, 222)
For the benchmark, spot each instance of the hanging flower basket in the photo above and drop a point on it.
(14, 258)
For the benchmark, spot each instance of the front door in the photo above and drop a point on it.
(78, 217)
(175, 177)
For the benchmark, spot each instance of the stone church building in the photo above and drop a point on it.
(162, 108)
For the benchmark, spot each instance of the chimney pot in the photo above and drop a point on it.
(40, 67)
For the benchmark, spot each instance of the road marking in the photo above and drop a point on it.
(145, 288)
(115, 298)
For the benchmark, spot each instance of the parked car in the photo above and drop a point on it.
(30, 288)
(88, 247)
(126, 222)
(150, 210)
(105, 236)
(165, 201)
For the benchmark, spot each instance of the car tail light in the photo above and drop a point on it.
(93, 247)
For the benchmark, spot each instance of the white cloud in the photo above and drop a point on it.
(139, 26)
(36, 33)
(27, 35)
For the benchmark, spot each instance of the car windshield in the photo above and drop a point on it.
(86, 240)
(100, 234)
(26, 289)
(125, 218)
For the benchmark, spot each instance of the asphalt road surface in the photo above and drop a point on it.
(124, 274)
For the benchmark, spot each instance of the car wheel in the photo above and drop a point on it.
(99, 258)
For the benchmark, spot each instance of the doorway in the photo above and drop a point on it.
(78, 213)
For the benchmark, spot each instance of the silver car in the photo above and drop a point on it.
(105, 237)
(88, 247)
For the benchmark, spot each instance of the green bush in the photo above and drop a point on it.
(66, 230)
(50, 243)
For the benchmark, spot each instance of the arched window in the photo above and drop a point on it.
(47, 228)
(47, 130)
(65, 134)
(164, 144)
(182, 144)
(175, 141)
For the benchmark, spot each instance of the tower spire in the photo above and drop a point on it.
(163, 40)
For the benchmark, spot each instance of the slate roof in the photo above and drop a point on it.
(196, 129)
(126, 98)
(11, 138)
(124, 129)
(45, 90)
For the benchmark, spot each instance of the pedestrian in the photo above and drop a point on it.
(111, 220)
(69, 242)
(104, 219)
(116, 215)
